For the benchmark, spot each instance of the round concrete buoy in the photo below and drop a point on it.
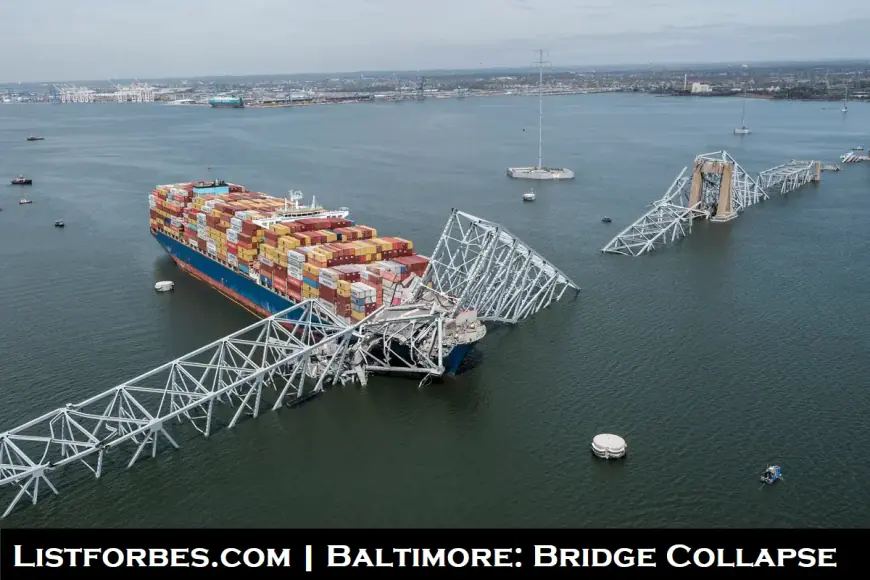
(609, 446)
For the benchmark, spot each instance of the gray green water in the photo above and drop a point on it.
(743, 345)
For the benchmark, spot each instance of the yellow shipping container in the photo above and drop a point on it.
(357, 315)
(280, 229)
(378, 257)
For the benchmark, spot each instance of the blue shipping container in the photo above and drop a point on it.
(244, 269)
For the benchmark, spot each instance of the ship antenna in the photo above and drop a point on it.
(540, 107)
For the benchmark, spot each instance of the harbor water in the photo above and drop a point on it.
(742, 346)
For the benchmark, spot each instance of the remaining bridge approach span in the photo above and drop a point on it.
(718, 189)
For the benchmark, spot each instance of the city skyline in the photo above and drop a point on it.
(54, 41)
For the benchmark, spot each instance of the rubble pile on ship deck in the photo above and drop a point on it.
(349, 268)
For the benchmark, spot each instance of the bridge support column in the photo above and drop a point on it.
(725, 209)
(817, 171)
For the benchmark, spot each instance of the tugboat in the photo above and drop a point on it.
(58, 224)
(21, 180)
(32, 138)
(24, 202)
(529, 195)
(771, 475)
(606, 219)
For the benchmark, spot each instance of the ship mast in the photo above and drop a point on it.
(540, 108)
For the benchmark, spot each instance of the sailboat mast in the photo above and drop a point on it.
(540, 108)
(743, 117)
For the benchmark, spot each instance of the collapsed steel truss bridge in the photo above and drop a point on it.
(718, 189)
(477, 267)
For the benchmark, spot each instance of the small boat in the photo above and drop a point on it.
(859, 148)
(771, 475)
(742, 131)
(606, 219)
(529, 196)
(165, 286)
(21, 180)
(32, 138)
(24, 202)
(58, 224)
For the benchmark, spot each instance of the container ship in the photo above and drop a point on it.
(267, 253)
(225, 102)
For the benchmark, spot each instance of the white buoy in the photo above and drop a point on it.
(164, 286)
(609, 446)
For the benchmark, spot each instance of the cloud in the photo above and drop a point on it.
(60, 40)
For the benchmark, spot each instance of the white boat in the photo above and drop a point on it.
(529, 196)
(743, 129)
(539, 171)
(845, 108)
(859, 148)
(165, 286)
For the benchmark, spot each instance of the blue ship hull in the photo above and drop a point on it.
(257, 299)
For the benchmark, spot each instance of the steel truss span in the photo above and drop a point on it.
(718, 189)
(287, 358)
(492, 271)
(669, 219)
(265, 363)
(785, 178)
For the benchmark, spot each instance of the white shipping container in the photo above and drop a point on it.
(192, 243)
(233, 236)
(241, 215)
(175, 221)
(212, 248)
(232, 260)
(153, 198)
(236, 223)
(152, 204)
(265, 260)
(294, 256)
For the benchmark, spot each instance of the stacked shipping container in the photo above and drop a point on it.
(347, 267)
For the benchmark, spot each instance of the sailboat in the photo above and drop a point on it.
(743, 129)
(845, 108)
(540, 172)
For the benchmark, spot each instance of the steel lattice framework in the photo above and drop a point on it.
(691, 196)
(492, 271)
(669, 219)
(221, 381)
(286, 358)
(788, 177)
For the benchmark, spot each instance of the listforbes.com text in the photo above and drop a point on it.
(342, 556)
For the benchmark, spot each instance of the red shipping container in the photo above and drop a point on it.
(280, 284)
(327, 294)
(271, 237)
(266, 270)
(203, 245)
(278, 272)
(294, 285)
(250, 228)
(369, 308)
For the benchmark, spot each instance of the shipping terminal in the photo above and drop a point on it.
(267, 254)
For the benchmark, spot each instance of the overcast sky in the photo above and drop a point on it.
(97, 39)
